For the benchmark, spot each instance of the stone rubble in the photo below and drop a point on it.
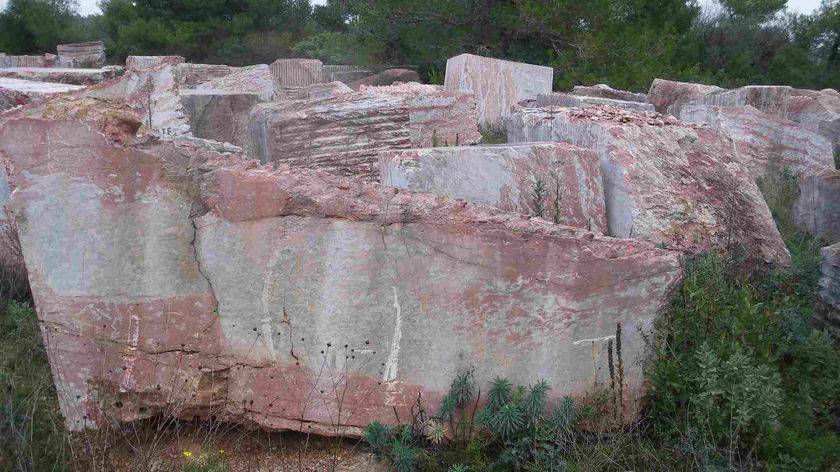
(386, 77)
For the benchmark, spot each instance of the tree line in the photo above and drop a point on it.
(625, 43)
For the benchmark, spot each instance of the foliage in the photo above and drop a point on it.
(208, 463)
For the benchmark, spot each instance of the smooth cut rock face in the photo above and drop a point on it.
(218, 115)
(58, 75)
(828, 296)
(817, 209)
(665, 93)
(437, 117)
(17, 92)
(664, 181)
(605, 91)
(87, 54)
(342, 134)
(558, 99)
(764, 142)
(496, 84)
(506, 176)
(293, 299)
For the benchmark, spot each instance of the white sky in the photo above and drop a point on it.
(88, 7)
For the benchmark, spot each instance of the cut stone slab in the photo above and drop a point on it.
(255, 79)
(815, 110)
(506, 177)
(605, 91)
(59, 75)
(218, 115)
(327, 90)
(146, 62)
(16, 92)
(557, 99)
(817, 209)
(764, 142)
(665, 93)
(437, 117)
(828, 295)
(496, 84)
(294, 299)
(296, 75)
(87, 54)
(386, 77)
(342, 134)
(674, 184)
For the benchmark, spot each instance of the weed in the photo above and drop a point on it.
(493, 134)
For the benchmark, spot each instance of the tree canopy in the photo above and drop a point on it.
(625, 43)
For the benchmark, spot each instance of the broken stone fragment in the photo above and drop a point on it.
(343, 134)
(557, 99)
(295, 299)
(437, 117)
(665, 93)
(496, 84)
(675, 184)
(605, 91)
(555, 181)
(828, 295)
(386, 77)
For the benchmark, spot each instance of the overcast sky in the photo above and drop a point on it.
(87, 7)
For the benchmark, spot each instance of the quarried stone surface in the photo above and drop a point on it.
(817, 209)
(342, 134)
(295, 75)
(88, 54)
(256, 80)
(59, 75)
(171, 278)
(386, 77)
(558, 99)
(664, 181)
(145, 62)
(828, 296)
(437, 117)
(16, 92)
(555, 181)
(496, 84)
(327, 90)
(219, 115)
(605, 91)
(665, 93)
(764, 142)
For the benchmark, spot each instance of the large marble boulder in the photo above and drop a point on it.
(60, 75)
(146, 62)
(437, 116)
(665, 93)
(555, 181)
(828, 296)
(675, 184)
(172, 276)
(496, 84)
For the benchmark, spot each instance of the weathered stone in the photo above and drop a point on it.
(255, 79)
(89, 54)
(437, 117)
(327, 90)
(664, 181)
(828, 296)
(7, 61)
(189, 75)
(295, 75)
(665, 93)
(146, 62)
(59, 75)
(218, 115)
(15, 92)
(496, 84)
(168, 278)
(764, 142)
(817, 209)
(343, 134)
(506, 176)
(818, 111)
(386, 77)
(605, 91)
(557, 99)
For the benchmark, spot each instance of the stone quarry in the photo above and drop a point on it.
(311, 247)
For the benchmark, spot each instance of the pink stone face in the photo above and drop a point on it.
(667, 182)
(176, 277)
(665, 93)
(554, 181)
